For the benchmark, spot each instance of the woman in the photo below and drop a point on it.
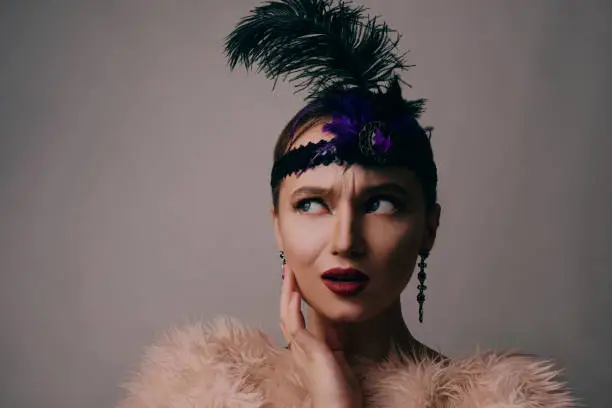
(354, 205)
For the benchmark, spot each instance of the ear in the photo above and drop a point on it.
(277, 234)
(432, 222)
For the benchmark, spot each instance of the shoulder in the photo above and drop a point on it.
(510, 378)
(483, 380)
(203, 365)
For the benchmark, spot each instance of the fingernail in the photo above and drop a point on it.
(283, 274)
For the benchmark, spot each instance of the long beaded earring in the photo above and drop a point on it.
(422, 276)
(283, 262)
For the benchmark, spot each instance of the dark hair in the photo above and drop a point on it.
(316, 114)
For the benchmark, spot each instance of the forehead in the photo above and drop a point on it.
(314, 135)
(355, 175)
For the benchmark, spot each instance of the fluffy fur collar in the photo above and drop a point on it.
(227, 364)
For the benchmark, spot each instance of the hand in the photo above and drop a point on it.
(322, 365)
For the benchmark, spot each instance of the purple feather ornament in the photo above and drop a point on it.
(356, 133)
(353, 114)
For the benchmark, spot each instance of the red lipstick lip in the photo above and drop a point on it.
(345, 281)
(345, 272)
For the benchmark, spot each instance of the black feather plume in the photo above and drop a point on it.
(318, 45)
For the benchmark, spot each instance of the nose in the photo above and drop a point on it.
(347, 237)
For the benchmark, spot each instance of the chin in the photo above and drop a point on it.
(345, 311)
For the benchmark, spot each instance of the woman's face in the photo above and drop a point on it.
(373, 220)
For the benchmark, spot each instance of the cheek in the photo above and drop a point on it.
(303, 239)
(395, 243)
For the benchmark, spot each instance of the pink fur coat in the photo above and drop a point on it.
(227, 364)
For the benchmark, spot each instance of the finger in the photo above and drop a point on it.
(296, 317)
(290, 279)
(284, 305)
(285, 298)
(296, 325)
(304, 344)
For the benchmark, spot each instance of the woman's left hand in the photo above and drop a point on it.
(322, 364)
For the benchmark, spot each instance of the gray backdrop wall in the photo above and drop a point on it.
(134, 184)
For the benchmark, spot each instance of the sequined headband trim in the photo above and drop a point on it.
(373, 148)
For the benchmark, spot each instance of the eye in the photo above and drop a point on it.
(310, 206)
(383, 205)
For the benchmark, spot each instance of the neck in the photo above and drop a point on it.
(374, 339)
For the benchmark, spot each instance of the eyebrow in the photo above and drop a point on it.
(377, 189)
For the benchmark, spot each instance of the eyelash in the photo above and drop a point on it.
(299, 206)
(398, 204)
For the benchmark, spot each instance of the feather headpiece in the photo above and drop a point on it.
(346, 62)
